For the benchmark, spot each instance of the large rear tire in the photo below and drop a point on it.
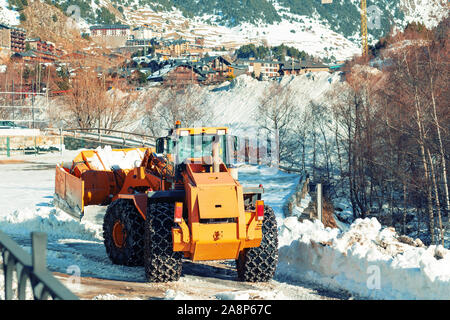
(123, 233)
(259, 264)
(161, 263)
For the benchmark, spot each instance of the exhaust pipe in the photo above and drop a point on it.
(215, 154)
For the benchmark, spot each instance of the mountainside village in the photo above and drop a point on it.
(140, 55)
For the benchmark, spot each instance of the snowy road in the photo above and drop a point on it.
(26, 191)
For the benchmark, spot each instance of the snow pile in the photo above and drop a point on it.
(300, 208)
(107, 159)
(176, 295)
(366, 260)
(54, 222)
(238, 295)
(251, 295)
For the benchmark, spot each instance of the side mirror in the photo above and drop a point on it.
(160, 144)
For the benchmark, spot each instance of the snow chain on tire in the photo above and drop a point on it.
(161, 263)
(132, 251)
(259, 264)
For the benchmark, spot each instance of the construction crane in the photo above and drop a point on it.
(364, 37)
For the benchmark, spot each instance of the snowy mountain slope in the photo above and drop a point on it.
(8, 16)
(305, 34)
(429, 12)
(324, 30)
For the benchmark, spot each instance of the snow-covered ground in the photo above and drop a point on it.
(367, 261)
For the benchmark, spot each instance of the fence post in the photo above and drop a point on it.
(258, 152)
(319, 202)
(60, 141)
(8, 145)
(39, 251)
(246, 150)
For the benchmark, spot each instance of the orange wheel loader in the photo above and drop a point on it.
(178, 200)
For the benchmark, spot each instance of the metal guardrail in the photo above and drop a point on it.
(111, 130)
(291, 169)
(31, 270)
(94, 134)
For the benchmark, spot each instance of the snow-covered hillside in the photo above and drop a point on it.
(323, 30)
(305, 33)
(8, 16)
(235, 104)
(428, 12)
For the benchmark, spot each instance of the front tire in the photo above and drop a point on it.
(161, 263)
(123, 233)
(259, 264)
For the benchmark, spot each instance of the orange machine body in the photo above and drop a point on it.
(218, 226)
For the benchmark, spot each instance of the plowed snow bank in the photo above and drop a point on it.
(366, 260)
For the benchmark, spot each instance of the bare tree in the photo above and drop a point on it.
(90, 105)
(177, 102)
(276, 114)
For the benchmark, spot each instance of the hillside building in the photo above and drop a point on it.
(235, 70)
(302, 67)
(12, 38)
(112, 36)
(262, 69)
(18, 36)
(142, 32)
(179, 74)
(5, 38)
(174, 48)
(218, 64)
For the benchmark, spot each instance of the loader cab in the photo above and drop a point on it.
(186, 144)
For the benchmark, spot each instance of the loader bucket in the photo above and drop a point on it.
(94, 177)
(69, 193)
